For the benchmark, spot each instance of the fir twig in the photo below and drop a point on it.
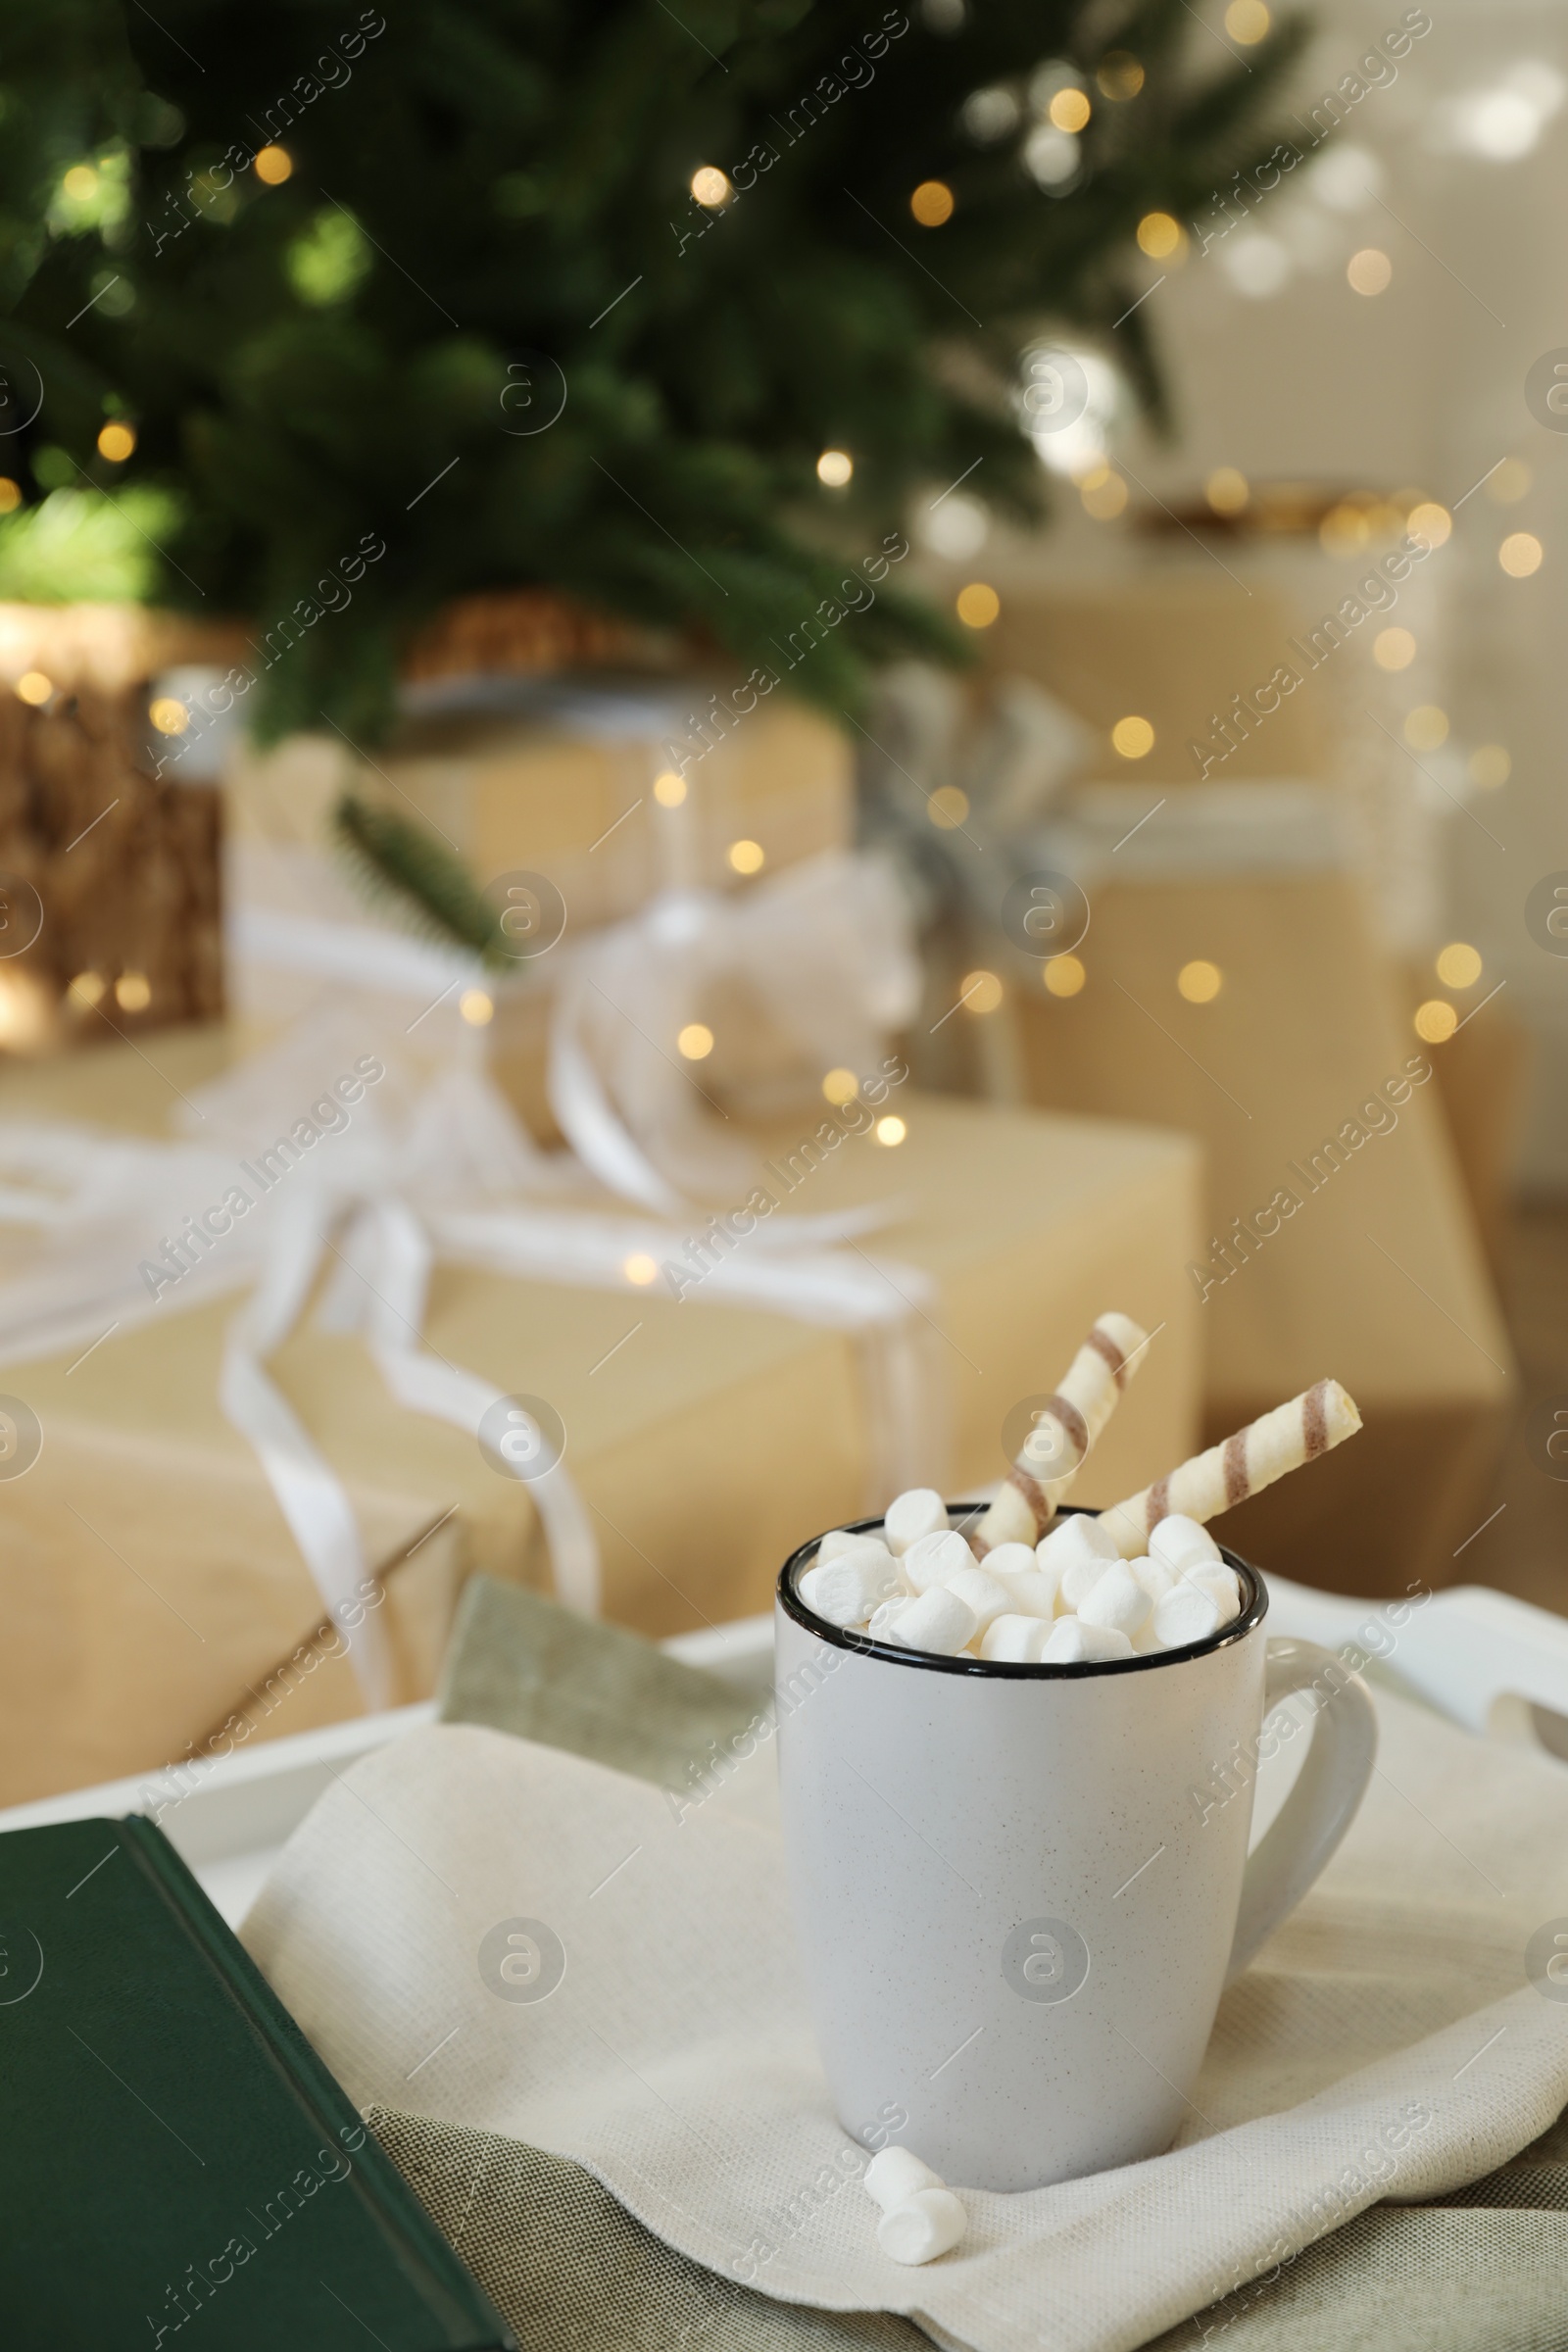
(395, 859)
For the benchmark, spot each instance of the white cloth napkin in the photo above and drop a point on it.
(1388, 2041)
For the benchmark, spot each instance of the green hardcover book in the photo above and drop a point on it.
(176, 2164)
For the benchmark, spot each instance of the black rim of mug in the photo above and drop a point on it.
(959, 1515)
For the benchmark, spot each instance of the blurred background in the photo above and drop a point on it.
(612, 618)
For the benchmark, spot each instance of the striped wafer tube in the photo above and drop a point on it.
(1311, 1424)
(1062, 1434)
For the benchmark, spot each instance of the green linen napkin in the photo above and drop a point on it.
(567, 2264)
(522, 1664)
(1483, 2270)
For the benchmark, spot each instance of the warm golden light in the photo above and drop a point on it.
(1490, 767)
(746, 856)
(477, 1006)
(1159, 235)
(889, 1131)
(133, 991)
(669, 790)
(27, 1013)
(168, 715)
(10, 495)
(1133, 737)
(1509, 482)
(841, 1086)
(1105, 496)
(1520, 554)
(33, 687)
(87, 989)
(273, 165)
(1227, 490)
(115, 443)
(696, 1041)
(1459, 965)
(1343, 530)
(1119, 74)
(1436, 1022)
(1064, 975)
(710, 187)
(1200, 981)
(80, 183)
(1369, 270)
(835, 466)
(948, 807)
(932, 203)
(977, 605)
(1069, 109)
(1394, 649)
(981, 992)
(1246, 22)
(1431, 523)
(640, 1268)
(1425, 727)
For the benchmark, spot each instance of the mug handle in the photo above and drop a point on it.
(1322, 1805)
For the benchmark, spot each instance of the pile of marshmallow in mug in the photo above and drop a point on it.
(1033, 1589)
(1071, 1597)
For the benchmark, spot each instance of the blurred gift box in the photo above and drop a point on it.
(155, 1586)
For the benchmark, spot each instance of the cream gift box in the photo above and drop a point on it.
(1364, 1260)
(557, 781)
(151, 1583)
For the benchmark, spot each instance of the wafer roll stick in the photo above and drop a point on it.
(1311, 1424)
(1062, 1434)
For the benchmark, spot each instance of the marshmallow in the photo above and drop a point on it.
(1222, 1584)
(924, 2225)
(936, 1620)
(886, 1617)
(1181, 1542)
(1078, 1580)
(1031, 1591)
(1016, 1640)
(920, 1512)
(895, 2173)
(1147, 1643)
(1072, 1643)
(1079, 1537)
(1252, 1459)
(1154, 1577)
(983, 1596)
(1187, 1614)
(846, 1590)
(840, 1539)
(933, 1558)
(1117, 1600)
(1010, 1559)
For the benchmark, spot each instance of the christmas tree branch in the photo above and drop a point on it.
(394, 860)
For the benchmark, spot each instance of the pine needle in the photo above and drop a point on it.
(393, 859)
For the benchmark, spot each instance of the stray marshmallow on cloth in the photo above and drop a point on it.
(922, 2218)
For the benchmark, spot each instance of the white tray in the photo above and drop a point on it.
(1493, 1664)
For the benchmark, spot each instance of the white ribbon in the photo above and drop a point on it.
(824, 948)
(445, 1169)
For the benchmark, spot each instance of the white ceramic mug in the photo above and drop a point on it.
(1020, 1890)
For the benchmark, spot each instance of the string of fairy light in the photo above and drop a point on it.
(1063, 102)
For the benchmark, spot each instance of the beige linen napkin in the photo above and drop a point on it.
(1367, 2055)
